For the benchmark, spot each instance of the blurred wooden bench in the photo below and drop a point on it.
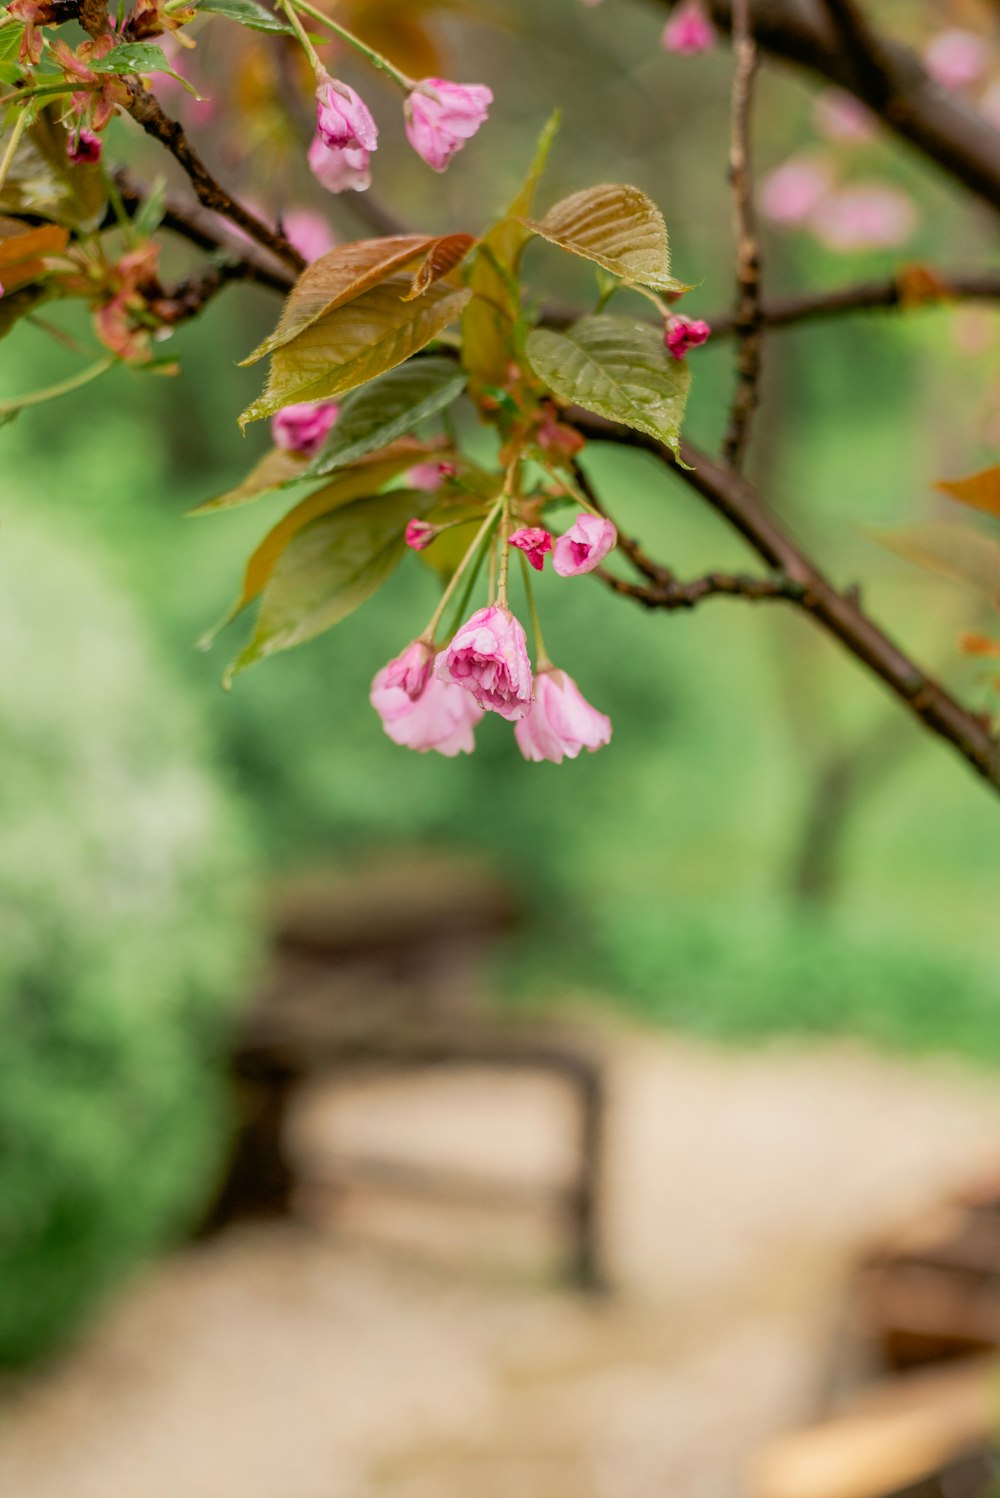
(386, 969)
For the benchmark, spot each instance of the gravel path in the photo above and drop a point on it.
(293, 1361)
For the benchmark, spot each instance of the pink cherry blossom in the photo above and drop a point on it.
(339, 171)
(689, 30)
(868, 216)
(308, 232)
(303, 428)
(442, 116)
(419, 534)
(584, 546)
(489, 658)
(84, 147)
(411, 671)
(429, 476)
(534, 541)
(560, 721)
(792, 191)
(441, 717)
(841, 117)
(343, 119)
(684, 333)
(955, 59)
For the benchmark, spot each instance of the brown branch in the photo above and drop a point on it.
(204, 231)
(145, 109)
(838, 613)
(746, 320)
(671, 593)
(890, 294)
(941, 125)
(862, 45)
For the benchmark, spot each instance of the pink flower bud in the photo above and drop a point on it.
(791, 192)
(584, 546)
(429, 476)
(441, 717)
(870, 216)
(343, 119)
(84, 147)
(303, 428)
(339, 171)
(489, 658)
(309, 233)
(419, 534)
(955, 59)
(560, 721)
(534, 542)
(689, 30)
(841, 117)
(683, 333)
(411, 671)
(442, 116)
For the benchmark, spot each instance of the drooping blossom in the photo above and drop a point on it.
(560, 721)
(339, 171)
(489, 658)
(343, 119)
(303, 428)
(410, 671)
(441, 116)
(791, 192)
(683, 333)
(868, 216)
(308, 232)
(429, 476)
(84, 146)
(689, 30)
(534, 541)
(584, 546)
(419, 534)
(441, 717)
(841, 117)
(956, 58)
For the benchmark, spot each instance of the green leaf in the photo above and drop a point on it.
(10, 45)
(138, 57)
(247, 13)
(960, 552)
(42, 182)
(342, 274)
(618, 368)
(150, 215)
(327, 570)
(354, 343)
(276, 468)
(616, 227)
(490, 319)
(388, 407)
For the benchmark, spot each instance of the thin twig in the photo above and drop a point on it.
(674, 594)
(746, 320)
(838, 613)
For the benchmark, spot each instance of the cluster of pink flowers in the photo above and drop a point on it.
(439, 118)
(430, 698)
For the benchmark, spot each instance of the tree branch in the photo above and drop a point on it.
(838, 613)
(941, 125)
(890, 294)
(673, 594)
(746, 319)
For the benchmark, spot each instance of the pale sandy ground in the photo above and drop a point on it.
(294, 1362)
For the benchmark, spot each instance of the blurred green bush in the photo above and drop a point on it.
(122, 940)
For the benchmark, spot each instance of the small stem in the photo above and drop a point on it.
(117, 206)
(20, 125)
(493, 569)
(303, 36)
(483, 530)
(501, 598)
(40, 90)
(65, 387)
(541, 654)
(375, 58)
(573, 491)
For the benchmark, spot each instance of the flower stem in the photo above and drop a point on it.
(20, 125)
(541, 655)
(573, 491)
(459, 571)
(300, 32)
(504, 553)
(375, 58)
(9, 409)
